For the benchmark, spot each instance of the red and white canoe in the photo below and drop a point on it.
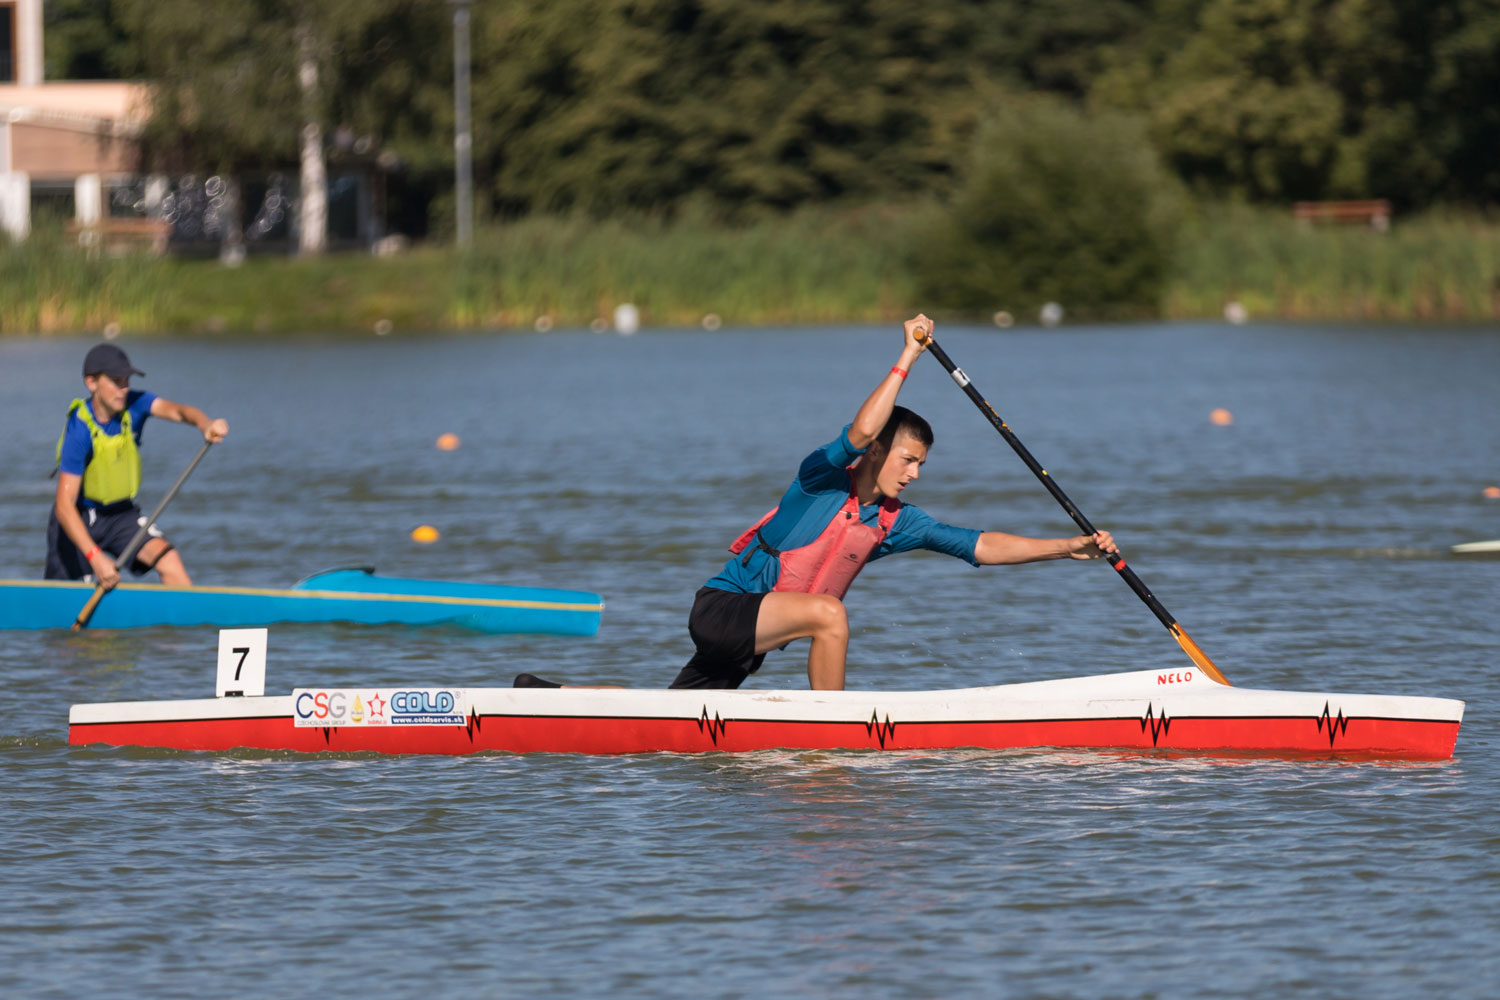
(1177, 710)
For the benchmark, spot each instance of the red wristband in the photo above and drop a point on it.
(898, 371)
(90, 554)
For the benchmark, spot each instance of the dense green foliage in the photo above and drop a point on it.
(622, 105)
(611, 104)
(228, 94)
(712, 155)
(1056, 206)
(86, 40)
(1308, 99)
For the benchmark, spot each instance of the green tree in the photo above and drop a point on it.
(1284, 99)
(242, 85)
(1459, 110)
(1060, 46)
(1055, 205)
(86, 40)
(611, 104)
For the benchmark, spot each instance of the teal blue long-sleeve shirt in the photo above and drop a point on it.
(811, 502)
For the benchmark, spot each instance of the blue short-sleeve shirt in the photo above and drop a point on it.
(811, 502)
(78, 444)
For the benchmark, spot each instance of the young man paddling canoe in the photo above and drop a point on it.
(790, 571)
(99, 473)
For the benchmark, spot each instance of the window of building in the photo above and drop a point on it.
(7, 43)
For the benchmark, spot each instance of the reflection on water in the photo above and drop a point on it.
(1304, 546)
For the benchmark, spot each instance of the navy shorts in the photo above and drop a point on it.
(110, 527)
(722, 625)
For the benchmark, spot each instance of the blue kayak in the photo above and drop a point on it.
(340, 595)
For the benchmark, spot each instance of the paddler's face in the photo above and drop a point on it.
(108, 392)
(899, 466)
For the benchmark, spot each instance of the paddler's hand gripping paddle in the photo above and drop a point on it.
(1117, 560)
(128, 553)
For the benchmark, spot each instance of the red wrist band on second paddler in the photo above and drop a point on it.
(90, 554)
(896, 370)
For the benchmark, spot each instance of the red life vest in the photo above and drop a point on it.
(830, 562)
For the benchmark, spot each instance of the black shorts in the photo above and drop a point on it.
(722, 625)
(110, 527)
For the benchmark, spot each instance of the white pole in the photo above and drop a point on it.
(88, 200)
(28, 42)
(463, 139)
(15, 205)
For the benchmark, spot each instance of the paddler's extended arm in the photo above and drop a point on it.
(72, 525)
(876, 410)
(996, 548)
(213, 430)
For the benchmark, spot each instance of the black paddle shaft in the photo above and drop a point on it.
(128, 553)
(139, 539)
(1117, 561)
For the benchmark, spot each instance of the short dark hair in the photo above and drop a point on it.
(903, 419)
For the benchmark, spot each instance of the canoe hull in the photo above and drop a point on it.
(341, 596)
(1132, 712)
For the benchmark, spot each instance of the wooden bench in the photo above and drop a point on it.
(1376, 212)
(123, 235)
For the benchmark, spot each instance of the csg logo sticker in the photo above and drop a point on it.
(321, 708)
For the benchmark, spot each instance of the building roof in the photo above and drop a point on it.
(113, 105)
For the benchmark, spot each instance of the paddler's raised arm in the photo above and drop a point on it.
(213, 430)
(876, 409)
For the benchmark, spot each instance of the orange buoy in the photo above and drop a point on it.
(447, 442)
(1221, 417)
(425, 533)
(1492, 492)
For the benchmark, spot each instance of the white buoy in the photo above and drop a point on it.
(383, 328)
(1004, 320)
(1051, 314)
(711, 321)
(598, 324)
(1235, 313)
(111, 330)
(627, 319)
(543, 323)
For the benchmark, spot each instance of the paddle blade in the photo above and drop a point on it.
(1197, 655)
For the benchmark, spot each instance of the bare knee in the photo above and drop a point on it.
(784, 618)
(169, 567)
(829, 617)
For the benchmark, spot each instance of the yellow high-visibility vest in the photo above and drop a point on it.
(114, 473)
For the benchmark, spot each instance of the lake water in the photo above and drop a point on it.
(1303, 547)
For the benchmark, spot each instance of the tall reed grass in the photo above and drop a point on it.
(1437, 266)
(820, 266)
(814, 266)
(48, 285)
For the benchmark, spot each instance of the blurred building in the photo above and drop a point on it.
(69, 149)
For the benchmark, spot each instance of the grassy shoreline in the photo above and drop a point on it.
(816, 266)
